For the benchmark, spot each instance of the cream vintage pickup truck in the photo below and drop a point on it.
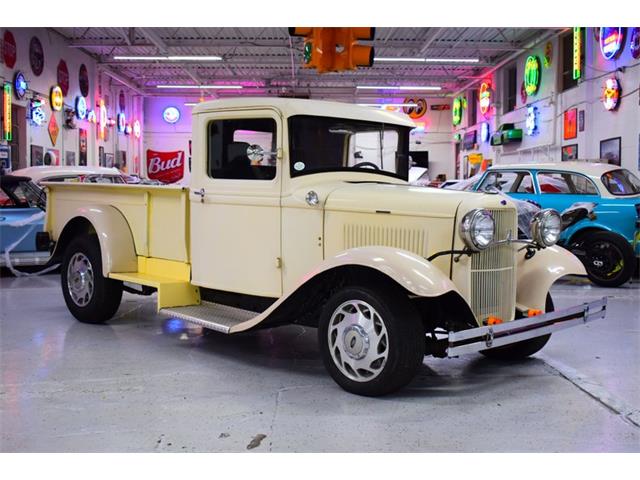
(299, 211)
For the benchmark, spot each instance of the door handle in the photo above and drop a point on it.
(200, 193)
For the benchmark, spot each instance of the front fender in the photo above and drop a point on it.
(536, 275)
(111, 227)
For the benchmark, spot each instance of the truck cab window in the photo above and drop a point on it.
(242, 149)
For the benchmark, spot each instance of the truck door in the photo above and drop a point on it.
(235, 202)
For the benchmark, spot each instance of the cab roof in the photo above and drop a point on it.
(298, 106)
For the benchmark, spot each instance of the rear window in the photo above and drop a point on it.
(621, 182)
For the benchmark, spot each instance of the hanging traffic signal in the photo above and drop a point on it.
(329, 49)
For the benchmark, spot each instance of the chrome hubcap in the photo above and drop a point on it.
(358, 341)
(80, 279)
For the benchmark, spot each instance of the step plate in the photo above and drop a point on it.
(210, 315)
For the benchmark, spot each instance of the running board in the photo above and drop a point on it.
(221, 318)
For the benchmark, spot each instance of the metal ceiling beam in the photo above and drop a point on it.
(155, 39)
(122, 79)
(429, 39)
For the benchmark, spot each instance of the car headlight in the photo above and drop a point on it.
(477, 229)
(546, 227)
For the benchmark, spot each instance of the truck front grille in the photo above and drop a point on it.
(493, 273)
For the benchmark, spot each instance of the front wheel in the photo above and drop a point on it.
(89, 296)
(609, 259)
(372, 340)
(523, 349)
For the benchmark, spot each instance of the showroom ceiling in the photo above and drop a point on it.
(267, 61)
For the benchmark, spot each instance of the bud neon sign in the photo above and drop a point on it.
(577, 53)
(485, 98)
(532, 121)
(532, 75)
(457, 110)
(611, 41)
(7, 124)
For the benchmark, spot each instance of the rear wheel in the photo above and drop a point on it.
(524, 349)
(608, 259)
(372, 340)
(89, 296)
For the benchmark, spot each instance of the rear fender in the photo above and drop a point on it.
(111, 227)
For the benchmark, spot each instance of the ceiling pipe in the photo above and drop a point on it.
(528, 46)
(110, 73)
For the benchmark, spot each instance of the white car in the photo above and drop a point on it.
(71, 174)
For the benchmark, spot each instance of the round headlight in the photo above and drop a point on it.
(477, 229)
(546, 227)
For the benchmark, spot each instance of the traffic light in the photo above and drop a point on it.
(329, 49)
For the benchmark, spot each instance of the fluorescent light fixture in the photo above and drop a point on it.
(190, 104)
(425, 60)
(170, 58)
(387, 104)
(396, 87)
(201, 87)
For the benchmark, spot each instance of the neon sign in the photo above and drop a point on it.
(92, 117)
(36, 111)
(136, 129)
(20, 85)
(485, 98)
(532, 121)
(7, 124)
(634, 42)
(57, 99)
(128, 129)
(122, 122)
(457, 110)
(171, 115)
(611, 41)
(484, 132)
(577, 53)
(81, 107)
(102, 120)
(611, 94)
(532, 75)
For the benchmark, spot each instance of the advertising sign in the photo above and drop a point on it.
(167, 167)
(9, 49)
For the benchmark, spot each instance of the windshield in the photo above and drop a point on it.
(325, 144)
(621, 182)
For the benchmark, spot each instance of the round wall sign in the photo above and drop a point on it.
(57, 98)
(532, 75)
(9, 49)
(136, 129)
(171, 115)
(20, 85)
(635, 42)
(611, 94)
(36, 56)
(63, 77)
(122, 122)
(611, 39)
(456, 111)
(81, 107)
(83, 79)
(406, 109)
(485, 97)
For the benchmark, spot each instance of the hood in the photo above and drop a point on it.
(410, 200)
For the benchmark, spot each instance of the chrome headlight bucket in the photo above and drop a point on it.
(477, 229)
(546, 227)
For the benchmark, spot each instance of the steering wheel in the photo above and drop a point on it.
(367, 164)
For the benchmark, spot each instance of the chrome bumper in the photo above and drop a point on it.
(25, 259)
(482, 338)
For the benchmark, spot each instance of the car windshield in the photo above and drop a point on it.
(325, 144)
(621, 182)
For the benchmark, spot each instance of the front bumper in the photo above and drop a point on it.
(481, 338)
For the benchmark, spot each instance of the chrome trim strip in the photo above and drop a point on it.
(476, 339)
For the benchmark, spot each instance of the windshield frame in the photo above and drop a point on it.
(606, 185)
(403, 141)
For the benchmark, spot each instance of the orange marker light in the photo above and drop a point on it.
(533, 312)
(494, 321)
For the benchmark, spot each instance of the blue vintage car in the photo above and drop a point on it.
(608, 240)
(22, 204)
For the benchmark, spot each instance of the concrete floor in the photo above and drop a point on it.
(143, 383)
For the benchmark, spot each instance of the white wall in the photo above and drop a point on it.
(99, 85)
(600, 124)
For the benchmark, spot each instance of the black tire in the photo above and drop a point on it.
(524, 349)
(102, 301)
(608, 258)
(403, 337)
